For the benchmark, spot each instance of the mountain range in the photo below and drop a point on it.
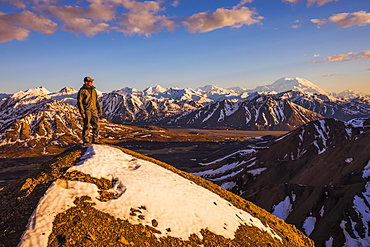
(285, 104)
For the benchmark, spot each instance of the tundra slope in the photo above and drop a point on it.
(315, 177)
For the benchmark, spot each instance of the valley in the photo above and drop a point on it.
(182, 148)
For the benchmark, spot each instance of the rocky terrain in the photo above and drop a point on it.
(104, 195)
(315, 177)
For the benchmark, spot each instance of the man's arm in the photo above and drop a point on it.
(80, 104)
(98, 105)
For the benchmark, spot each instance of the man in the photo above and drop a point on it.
(89, 107)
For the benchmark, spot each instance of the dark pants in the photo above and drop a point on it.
(92, 119)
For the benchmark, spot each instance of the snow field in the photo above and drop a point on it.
(173, 201)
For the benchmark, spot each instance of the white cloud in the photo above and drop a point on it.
(316, 55)
(17, 26)
(76, 19)
(8, 31)
(360, 18)
(235, 17)
(319, 22)
(142, 18)
(30, 20)
(349, 56)
(86, 26)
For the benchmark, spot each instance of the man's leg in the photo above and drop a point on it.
(85, 129)
(95, 125)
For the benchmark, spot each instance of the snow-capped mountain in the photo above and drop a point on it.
(108, 196)
(255, 113)
(123, 107)
(328, 106)
(354, 96)
(171, 106)
(208, 106)
(315, 177)
(287, 84)
(351, 94)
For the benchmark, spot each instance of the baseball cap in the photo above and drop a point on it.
(87, 78)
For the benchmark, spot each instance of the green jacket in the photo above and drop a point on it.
(87, 100)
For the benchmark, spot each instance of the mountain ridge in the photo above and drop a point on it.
(65, 181)
(315, 177)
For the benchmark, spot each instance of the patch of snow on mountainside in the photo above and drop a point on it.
(140, 183)
(241, 152)
(220, 170)
(357, 122)
(359, 235)
(366, 171)
(257, 171)
(283, 208)
(309, 225)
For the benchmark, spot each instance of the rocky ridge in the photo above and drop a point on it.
(315, 177)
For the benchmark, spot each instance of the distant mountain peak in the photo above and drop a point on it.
(39, 91)
(287, 84)
(351, 94)
(155, 90)
(68, 90)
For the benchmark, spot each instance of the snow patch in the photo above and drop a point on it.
(257, 171)
(366, 171)
(284, 208)
(309, 225)
(348, 160)
(141, 183)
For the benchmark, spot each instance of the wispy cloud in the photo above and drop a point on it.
(311, 2)
(235, 17)
(316, 55)
(175, 3)
(296, 24)
(360, 18)
(243, 2)
(349, 56)
(330, 75)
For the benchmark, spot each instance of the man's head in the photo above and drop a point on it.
(88, 81)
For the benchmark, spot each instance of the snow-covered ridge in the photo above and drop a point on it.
(164, 194)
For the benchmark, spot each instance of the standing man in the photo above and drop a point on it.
(89, 107)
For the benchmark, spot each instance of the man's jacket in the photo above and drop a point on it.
(87, 100)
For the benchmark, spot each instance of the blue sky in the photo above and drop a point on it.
(184, 43)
